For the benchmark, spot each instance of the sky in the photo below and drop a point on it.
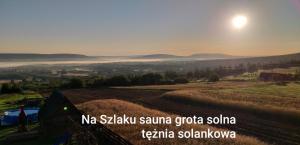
(131, 27)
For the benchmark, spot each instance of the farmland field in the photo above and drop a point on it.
(132, 133)
(267, 111)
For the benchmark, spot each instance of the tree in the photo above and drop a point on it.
(213, 77)
(15, 88)
(5, 88)
(190, 75)
(297, 75)
(170, 75)
(10, 88)
(251, 67)
(151, 78)
(197, 74)
(75, 83)
(181, 81)
(54, 83)
(117, 81)
(98, 82)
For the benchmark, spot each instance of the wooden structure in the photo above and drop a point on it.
(59, 115)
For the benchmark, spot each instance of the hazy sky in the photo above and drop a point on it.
(125, 27)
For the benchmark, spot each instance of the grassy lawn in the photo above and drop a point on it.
(5, 131)
(7, 101)
(12, 129)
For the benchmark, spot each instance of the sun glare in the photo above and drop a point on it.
(239, 21)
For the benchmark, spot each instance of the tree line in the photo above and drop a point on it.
(123, 80)
(10, 88)
(168, 77)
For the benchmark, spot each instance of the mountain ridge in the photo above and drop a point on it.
(196, 55)
(16, 56)
(70, 56)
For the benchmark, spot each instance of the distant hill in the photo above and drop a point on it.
(185, 65)
(193, 56)
(276, 58)
(35, 56)
(217, 57)
(156, 56)
(211, 55)
(207, 59)
(213, 63)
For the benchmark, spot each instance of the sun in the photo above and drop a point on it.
(239, 21)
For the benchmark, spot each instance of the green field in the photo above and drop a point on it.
(43, 140)
(9, 101)
(5, 131)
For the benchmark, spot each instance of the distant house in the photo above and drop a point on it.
(29, 79)
(271, 76)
